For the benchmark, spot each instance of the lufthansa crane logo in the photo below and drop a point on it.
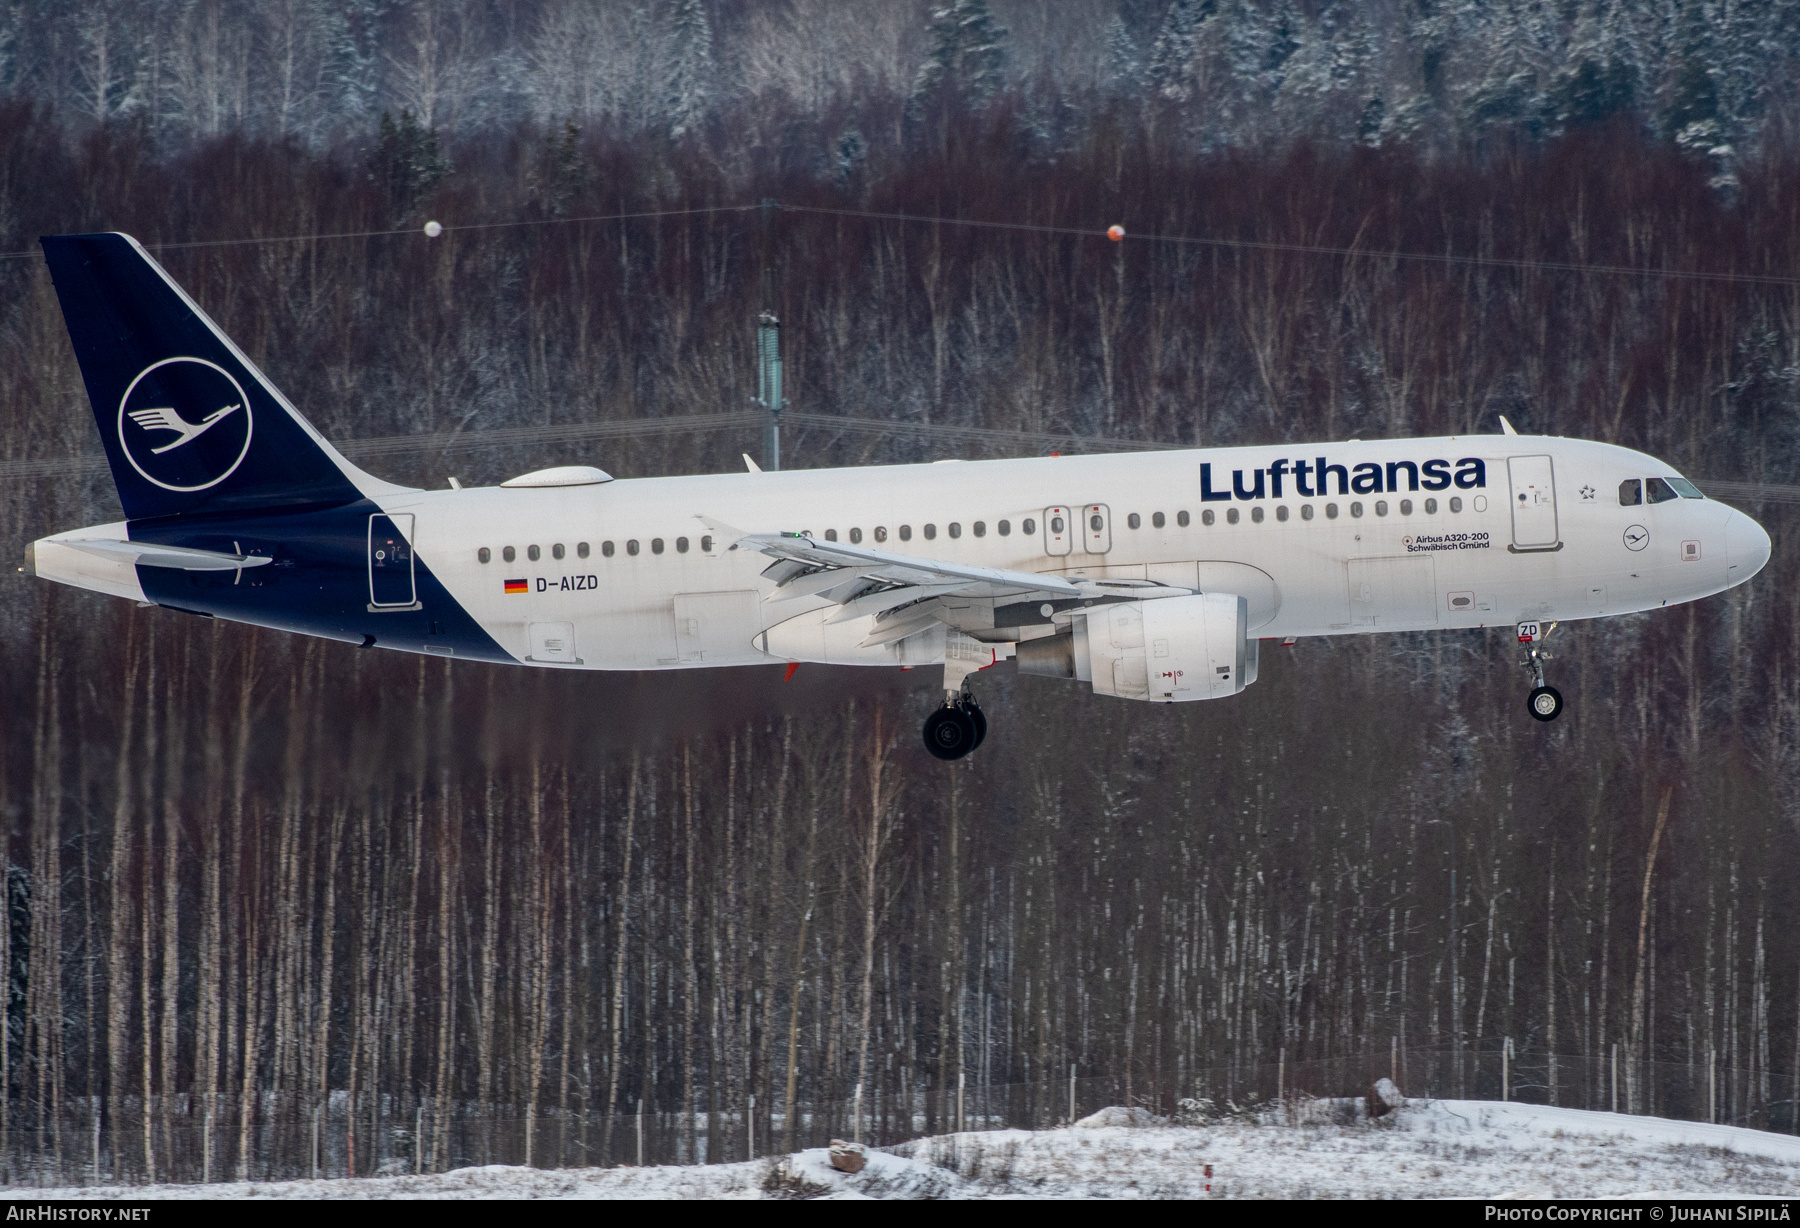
(185, 424)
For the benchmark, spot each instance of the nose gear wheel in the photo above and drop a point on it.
(1545, 703)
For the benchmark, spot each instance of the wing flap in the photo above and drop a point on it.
(902, 568)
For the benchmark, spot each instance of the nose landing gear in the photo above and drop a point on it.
(1545, 703)
(955, 729)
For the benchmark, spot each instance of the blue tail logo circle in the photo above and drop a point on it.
(185, 424)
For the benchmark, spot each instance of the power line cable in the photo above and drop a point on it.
(1448, 259)
(1313, 249)
(414, 230)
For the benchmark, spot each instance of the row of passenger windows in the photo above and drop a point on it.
(1331, 511)
(1004, 528)
(607, 549)
(1158, 520)
(929, 532)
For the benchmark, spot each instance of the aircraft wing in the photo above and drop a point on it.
(904, 591)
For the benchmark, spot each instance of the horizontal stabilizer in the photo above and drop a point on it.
(179, 558)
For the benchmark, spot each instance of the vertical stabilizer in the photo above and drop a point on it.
(188, 422)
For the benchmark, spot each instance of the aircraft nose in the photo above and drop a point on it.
(1746, 548)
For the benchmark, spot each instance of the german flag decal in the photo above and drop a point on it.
(517, 586)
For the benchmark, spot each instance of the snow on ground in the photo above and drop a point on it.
(1428, 1149)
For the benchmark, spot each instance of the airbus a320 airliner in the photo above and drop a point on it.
(1150, 576)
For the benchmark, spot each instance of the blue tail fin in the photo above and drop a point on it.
(189, 423)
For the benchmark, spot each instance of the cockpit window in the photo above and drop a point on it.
(1685, 488)
(1657, 490)
(1631, 492)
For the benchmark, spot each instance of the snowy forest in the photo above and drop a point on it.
(280, 906)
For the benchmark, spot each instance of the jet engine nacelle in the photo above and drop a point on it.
(1168, 650)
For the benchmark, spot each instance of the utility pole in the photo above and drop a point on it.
(768, 386)
(768, 348)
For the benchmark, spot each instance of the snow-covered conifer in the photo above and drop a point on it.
(1123, 73)
(966, 51)
(353, 56)
(688, 92)
(1171, 69)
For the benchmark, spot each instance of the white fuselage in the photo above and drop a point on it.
(1362, 562)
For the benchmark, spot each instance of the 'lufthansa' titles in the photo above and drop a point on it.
(1314, 479)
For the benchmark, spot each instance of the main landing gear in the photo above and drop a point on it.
(1545, 703)
(955, 729)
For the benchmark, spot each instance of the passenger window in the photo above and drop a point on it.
(930, 532)
(1331, 511)
(606, 548)
(533, 553)
(905, 532)
(1306, 511)
(631, 547)
(1456, 504)
(856, 537)
(1356, 509)
(1281, 513)
(1157, 520)
(830, 535)
(556, 551)
(1658, 491)
(1181, 518)
(656, 545)
(706, 544)
(1431, 507)
(955, 529)
(484, 555)
(880, 533)
(1056, 524)
(1406, 507)
(1231, 515)
(1133, 521)
(1028, 526)
(681, 545)
(508, 553)
(980, 528)
(1206, 517)
(1005, 528)
(1256, 514)
(581, 550)
(1631, 492)
(1381, 507)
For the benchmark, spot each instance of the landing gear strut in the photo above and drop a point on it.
(955, 729)
(1545, 703)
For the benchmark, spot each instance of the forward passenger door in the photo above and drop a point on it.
(1533, 502)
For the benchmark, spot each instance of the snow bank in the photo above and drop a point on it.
(1426, 1149)
(1117, 1115)
(1489, 1119)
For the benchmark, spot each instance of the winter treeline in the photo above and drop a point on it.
(470, 914)
(1714, 75)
